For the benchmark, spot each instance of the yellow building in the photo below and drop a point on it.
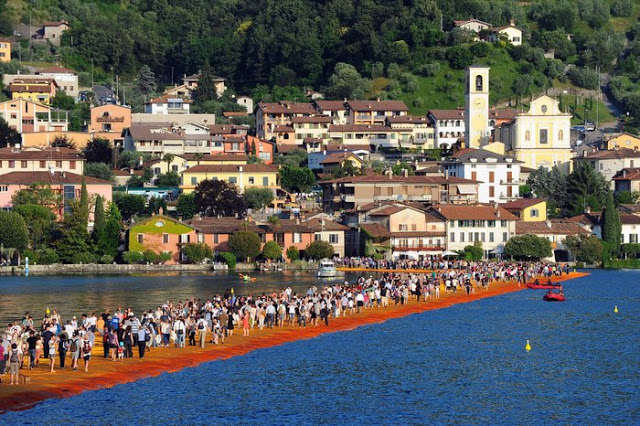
(528, 209)
(541, 136)
(476, 119)
(5, 50)
(625, 140)
(39, 90)
(180, 163)
(243, 176)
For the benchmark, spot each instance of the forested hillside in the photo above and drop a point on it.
(397, 49)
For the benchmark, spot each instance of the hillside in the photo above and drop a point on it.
(396, 47)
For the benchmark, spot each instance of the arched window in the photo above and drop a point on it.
(459, 134)
(479, 83)
(457, 123)
(560, 135)
(286, 136)
(527, 136)
(441, 134)
(492, 123)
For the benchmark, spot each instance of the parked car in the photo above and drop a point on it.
(590, 126)
(580, 129)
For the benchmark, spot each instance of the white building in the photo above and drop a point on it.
(499, 175)
(246, 102)
(510, 33)
(448, 126)
(160, 140)
(474, 25)
(67, 80)
(416, 131)
(167, 105)
(337, 110)
(610, 162)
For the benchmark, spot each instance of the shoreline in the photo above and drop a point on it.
(104, 373)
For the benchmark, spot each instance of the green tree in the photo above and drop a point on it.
(296, 158)
(8, 135)
(459, 57)
(186, 207)
(473, 252)
(83, 213)
(528, 246)
(293, 253)
(197, 252)
(99, 217)
(40, 223)
(522, 86)
(74, 238)
(626, 197)
(585, 248)
(154, 204)
(63, 101)
(346, 82)
(244, 244)
(98, 150)
(611, 226)
(218, 198)
(63, 141)
(37, 193)
(319, 250)
(13, 231)
(129, 204)
(622, 8)
(168, 179)
(109, 241)
(398, 169)
(272, 250)
(586, 187)
(100, 171)
(146, 82)
(258, 198)
(299, 179)
(206, 90)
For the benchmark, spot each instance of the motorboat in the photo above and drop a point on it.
(548, 286)
(552, 296)
(327, 269)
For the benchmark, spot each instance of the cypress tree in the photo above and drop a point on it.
(83, 212)
(611, 225)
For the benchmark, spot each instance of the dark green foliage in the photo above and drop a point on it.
(228, 258)
(73, 244)
(39, 220)
(109, 241)
(293, 253)
(258, 198)
(298, 179)
(151, 256)
(459, 57)
(244, 244)
(168, 179)
(37, 193)
(297, 157)
(8, 136)
(146, 84)
(132, 257)
(128, 204)
(528, 246)
(585, 248)
(98, 150)
(622, 8)
(583, 77)
(611, 226)
(186, 205)
(346, 82)
(13, 230)
(473, 252)
(218, 198)
(319, 250)
(63, 141)
(154, 204)
(626, 197)
(585, 187)
(99, 219)
(272, 250)
(99, 170)
(136, 181)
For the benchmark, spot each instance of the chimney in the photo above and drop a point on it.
(324, 151)
(131, 171)
(240, 169)
(635, 149)
(498, 213)
(405, 172)
(297, 220)
(548, 223)
(64, 174)
(377, 99)
(495, 205)
(390, 174)
(140, 161)
(512, 22)
(587, 210)
(446, 174)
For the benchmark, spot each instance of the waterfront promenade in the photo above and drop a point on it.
(105, 373)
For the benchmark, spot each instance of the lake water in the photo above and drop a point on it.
(464, 365)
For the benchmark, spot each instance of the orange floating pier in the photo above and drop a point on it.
(104, 373)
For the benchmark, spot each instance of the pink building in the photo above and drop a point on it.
(66, 185)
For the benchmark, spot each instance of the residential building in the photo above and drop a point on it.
(630, 225)
(499, 176)
(556, 231)
(357, 191)
(40, 160)
(528, 209)
(541, 136)
(336, 161)
(246, 102)
(5, 50)
(416, 132)
(109, 122)
(326, 229)
(179, 91)
(52, 31)
(47, 138)
(270, 115)
(315, 159)
(489, 225)
(337, 110)
(374, 112)
(191, 82)
(27, 116)
(243, 176)
(627, 179)
(609, 163)
(167, 105)
(187, 138)
(175, 119)
(472, 24)
(66, 185)
(160, 234)
(180, 163)
(40, 89)
(509, 33)
(66, 79)
(304, 130)
(448, 126)
(374, 135)
(625, 140)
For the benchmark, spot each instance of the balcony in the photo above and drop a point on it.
(110, 119)
(512, 182)
(419, 248)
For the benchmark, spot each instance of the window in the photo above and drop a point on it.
(59, 164)
(474, 175)
(165, 238)
(265, 181)
(452, 237)
(492, 192)
(252, 180)
(527, 136)
(140, 238)
(233, 180)
(462, 237)
(297, 237)
(194, 180)
(185, 238)
(317, 237)
(470, 237)
(72, 165)
(43, 165)
(534, 213)
(12, 164)
(479, 83)
(490, 237)
(560, 135)
(215, 239)
(492, 176)
(4, 188)
(402, 227)
(482, 237)
(543, 136)
(504, 237)
(491, 223)
(156, 170)
(174, 169)
(503, 223)
(200, 238)
(333, 238)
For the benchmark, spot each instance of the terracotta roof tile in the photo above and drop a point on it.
(473, 212)
(40, 154)
(550, 227)
(522, 203)
(376, 230)
(377, 105)
(330, 105)
(425, 180)
(231, 168)
(57, 178)
(286, 107)
(611, 154)
(329, 225)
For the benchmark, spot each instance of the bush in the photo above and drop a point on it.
(293, 253)
(272, 250)
(83, 257)
(132, 257)
(197, 252)
(428, 70)
(459, 57)
(166, 256)
(150, 256)
(245, 244)
(228, 258)
(622, 8)
(583, 77)
(319, 250)
(106, 259)
(48, 256)
(480, 50)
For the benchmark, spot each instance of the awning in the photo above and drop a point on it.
(497, 250)
(466, 189)
(450, 253)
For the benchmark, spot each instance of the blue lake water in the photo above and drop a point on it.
(464, 365)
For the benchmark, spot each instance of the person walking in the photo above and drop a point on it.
(74, 348)
(86, 352)
(14, 363)
(52, 352)
(142, 340)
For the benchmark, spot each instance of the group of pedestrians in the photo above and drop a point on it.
(196, 322)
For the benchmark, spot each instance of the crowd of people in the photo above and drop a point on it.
(198, 322)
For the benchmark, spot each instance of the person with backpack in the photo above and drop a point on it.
(86, 352)
(180, 329)
(63, 348)
(143, 337)
(74, 348)
(14, 360)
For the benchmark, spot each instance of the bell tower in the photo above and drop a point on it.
(476, 118)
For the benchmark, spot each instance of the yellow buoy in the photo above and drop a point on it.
(47, 311)
(615, 309)
(528, 347)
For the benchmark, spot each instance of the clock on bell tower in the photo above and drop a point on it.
(477, 106)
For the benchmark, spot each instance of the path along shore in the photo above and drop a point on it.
(104, 373)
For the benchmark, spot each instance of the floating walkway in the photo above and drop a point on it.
(104, 373)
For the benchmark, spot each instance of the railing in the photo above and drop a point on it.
(511, 181)
(418, 248)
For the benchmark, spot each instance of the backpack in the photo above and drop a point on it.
(14, 356)
(87, 347)
(74, 345)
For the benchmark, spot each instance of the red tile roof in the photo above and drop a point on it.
(286, 107)
(610, 154)
(522, 203)
(556, 227)
(231, 168)
(329, 225)
(331, 105)
(447, 114)
(408, 119)
(425, 180)
(377, 105)
(40, 154)
(628, 174)
(311, 119)
(473, 212)
(57, 178)
(376, 230)
(364, 128)
(338, 157)
(56, 70)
